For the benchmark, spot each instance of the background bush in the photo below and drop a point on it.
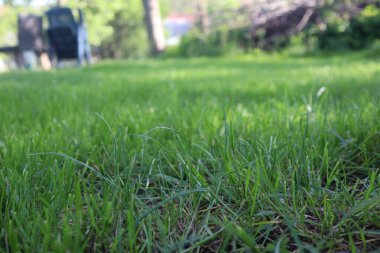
(357, 33)
(331, 31)
(220, 42)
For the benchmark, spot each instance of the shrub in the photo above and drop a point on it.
(357, 33)
(365, 29)
(219, 42)
(333, 38)
(194, 44)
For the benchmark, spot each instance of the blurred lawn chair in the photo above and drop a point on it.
(30, 43)
(67, 37)
(30, 40)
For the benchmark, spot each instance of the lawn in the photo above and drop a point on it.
(249, 153)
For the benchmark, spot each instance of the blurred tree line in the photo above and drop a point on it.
(117, 29)
(333, 25)
(346, 25)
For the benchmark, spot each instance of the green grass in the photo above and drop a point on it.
(229, 154)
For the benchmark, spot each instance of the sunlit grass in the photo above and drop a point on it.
(229, 154)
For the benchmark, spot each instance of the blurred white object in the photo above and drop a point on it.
(321, 91)
(30, 59)
(3, 67)
(45, 61)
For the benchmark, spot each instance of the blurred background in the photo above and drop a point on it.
(187, 28)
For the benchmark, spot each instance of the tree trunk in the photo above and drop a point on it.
(154, 26)
(204, 21)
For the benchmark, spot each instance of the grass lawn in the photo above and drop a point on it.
(247, 154)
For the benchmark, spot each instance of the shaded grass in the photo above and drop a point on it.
(229, 154)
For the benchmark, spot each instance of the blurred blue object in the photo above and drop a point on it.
(68, 37)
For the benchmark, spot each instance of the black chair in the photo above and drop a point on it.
(67, 37)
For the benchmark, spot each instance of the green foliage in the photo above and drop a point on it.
(116, 28)
(220, 42)
(364, 30)
(333, 38)
(128, 39)
(8, 27)
(194, 44)
(357, 33)
(242, 154)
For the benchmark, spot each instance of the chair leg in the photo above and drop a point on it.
(87, 56)
(18, 59)
(80, 60)
(59, 64)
